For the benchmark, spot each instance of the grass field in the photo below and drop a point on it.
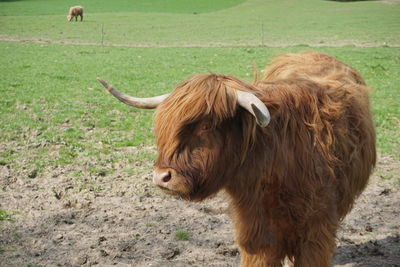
(56, 7)
(252, 22)
(50, 96)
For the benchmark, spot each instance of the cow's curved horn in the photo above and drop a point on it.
(255, 106)
(147, 103)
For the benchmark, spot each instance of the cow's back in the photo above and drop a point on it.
(352, 129)
(76, 10)
(311, 65)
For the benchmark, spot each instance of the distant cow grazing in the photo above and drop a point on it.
(74, 12)
(293, 151)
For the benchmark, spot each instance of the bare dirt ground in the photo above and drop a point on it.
(118, 219)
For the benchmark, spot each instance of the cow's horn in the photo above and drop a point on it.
(255, 106)
(148, 103)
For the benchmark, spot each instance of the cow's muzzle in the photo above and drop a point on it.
(171, 181)
(161, 178)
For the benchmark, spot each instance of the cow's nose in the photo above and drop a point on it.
(161, 177)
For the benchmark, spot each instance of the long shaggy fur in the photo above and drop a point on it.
(290, 183)
(74, 12)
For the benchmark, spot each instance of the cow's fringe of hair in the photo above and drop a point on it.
(199, 97)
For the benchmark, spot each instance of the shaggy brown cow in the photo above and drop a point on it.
(74, 12)
(290, 183)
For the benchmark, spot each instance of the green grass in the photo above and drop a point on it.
(64, 119)
(252, 22)
(182, 235)
(5, 216)
(55, 7)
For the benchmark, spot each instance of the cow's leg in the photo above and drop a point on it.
(81, 17)
(262, 259)
(318, 249)
(76, 18)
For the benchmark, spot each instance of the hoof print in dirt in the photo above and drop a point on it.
(57, 194)
(59, 237)
(102, 239)
(126, 246)
(33, 174)
(385, 192)
(36, 252)
(170, 253)
(230, 251)
(81, 260)
(103, 253)
(372, 248)
(369, 228)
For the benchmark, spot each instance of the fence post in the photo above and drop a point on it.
(102, 34)
(262, 34)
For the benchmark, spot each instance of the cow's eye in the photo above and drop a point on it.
(206, 127)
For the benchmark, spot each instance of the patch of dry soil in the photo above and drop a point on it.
(117, 219)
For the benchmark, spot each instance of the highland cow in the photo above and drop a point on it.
(293, 151)
(74, 12)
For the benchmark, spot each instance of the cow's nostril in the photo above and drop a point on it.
(161, 178)
(166, 177)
